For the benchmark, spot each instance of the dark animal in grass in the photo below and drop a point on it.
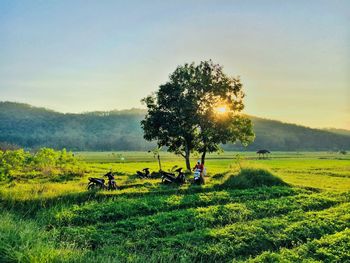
(263, 153)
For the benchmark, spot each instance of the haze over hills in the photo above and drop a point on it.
(338, 131)
(34, 127)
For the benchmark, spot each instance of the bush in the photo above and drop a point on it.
(250, 178)
(12, 161)
(45, 161)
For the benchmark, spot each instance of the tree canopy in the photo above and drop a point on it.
(197, 109)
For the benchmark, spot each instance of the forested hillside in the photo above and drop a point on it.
(338, 131)
(32, 127)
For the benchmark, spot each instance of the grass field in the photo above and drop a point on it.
(304, 219)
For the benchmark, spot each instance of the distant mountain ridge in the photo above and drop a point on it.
(33, 127)
(338, 131)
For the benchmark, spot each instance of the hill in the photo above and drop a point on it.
(33, 127)
(338, 131)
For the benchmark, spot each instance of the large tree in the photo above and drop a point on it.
(197, 110)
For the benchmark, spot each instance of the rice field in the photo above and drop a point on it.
(289, 207)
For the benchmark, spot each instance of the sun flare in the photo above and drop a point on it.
(221, 109)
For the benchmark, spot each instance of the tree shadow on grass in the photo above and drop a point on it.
(29, 207)
(246, 179)
(220, 175)
(63, 178)
(135, 185)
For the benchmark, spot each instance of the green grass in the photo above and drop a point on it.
(329, 248)
(291, 207)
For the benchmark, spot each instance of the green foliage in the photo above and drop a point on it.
(13, 161)
(250, 178)
(45, 161)
(182, 114)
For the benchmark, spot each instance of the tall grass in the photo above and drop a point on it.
(24, 241)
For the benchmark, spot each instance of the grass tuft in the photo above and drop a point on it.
(251, 178)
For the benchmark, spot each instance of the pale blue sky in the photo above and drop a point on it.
(73, 56)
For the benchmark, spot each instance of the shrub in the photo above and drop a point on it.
(46, 161)
(12, 161)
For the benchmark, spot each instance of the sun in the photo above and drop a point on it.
(221, 109)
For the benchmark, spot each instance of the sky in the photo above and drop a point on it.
(293, 57)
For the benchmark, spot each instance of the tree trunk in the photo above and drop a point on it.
(203, 156)
(187, 158)
(188, 164)
(160, 165)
